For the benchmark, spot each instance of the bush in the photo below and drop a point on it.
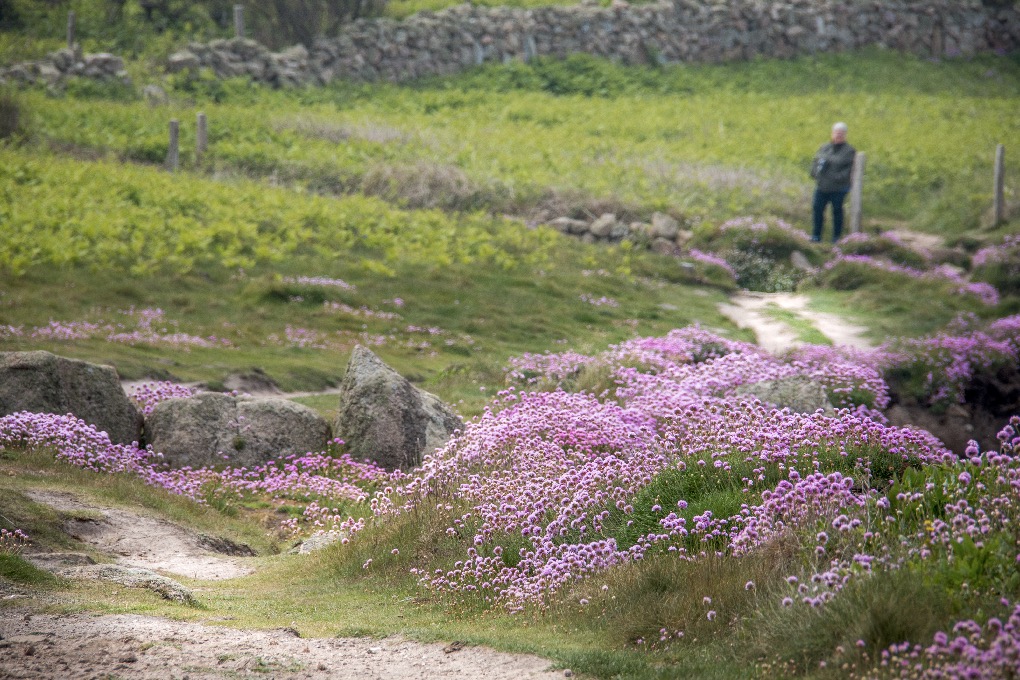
(884, 245)
(756, 270)
(758, 250)
(999, 265)
(11, 117)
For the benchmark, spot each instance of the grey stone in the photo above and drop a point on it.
(603, 226)
(797, 393)
(155, 95)
(41, 382)
(185, 60)
(568, 225)
(385, 418)
(215, 429)
(48, 73)
(664, 246)
(683, 237)
(664, 226)
(800, 261)
(133, 577)
(317, 542)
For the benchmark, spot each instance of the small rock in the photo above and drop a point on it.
(568, 673)
(155, 95)
(664, 226)
(568, 225)
(128, 658)
(800, 261)
(603, 226)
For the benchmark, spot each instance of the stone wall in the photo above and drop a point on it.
(62, 64)
(449, 41)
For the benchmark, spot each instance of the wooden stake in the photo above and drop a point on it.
(201, 138)
(238, 21)
(999, 203)
(172, 154)
(70, 30)
(856, 195)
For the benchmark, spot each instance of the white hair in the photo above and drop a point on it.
(839, 126)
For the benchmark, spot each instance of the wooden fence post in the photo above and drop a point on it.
(70, 30)
(856, 195)
(999, 203)
(238, 21)
(201, 138)
(172, 154)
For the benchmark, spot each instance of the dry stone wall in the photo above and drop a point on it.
(451, 40)
(62, 64)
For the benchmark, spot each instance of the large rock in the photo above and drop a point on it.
(41, 382)
(216, 429)
(385, 418)
(797, 393)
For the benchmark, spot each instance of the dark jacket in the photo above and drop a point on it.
(832, 166)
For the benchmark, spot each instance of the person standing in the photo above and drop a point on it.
(832, 170)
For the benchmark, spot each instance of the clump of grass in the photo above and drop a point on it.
(871, 614)
(424, 185)
(16, 569)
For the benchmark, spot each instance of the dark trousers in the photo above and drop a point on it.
(822, 198)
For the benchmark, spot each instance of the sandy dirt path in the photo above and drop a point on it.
(45, 647)
(134, 540)
(748, 310)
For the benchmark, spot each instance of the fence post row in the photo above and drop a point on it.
(856, 192)
(172, 154)
(239, 21)
(999, 203)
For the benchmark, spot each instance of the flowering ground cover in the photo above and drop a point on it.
(560, 502)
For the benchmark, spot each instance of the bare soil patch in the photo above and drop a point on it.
(135, 540)
(150, 648)
(747, 310)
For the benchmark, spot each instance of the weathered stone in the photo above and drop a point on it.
(603, 226)
(133, 577)
(664, 226)
(155, 95)
(215, 429)
(568, 225)
(41, 382)
(664, 246)
(382, 416)
(185, 60)
(797, 393)
(800, 261)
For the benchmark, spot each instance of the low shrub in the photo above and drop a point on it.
(11, 117)
(758, 250)
(999, 265)
(886, 245)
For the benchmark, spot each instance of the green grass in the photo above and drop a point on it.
(805, 330)
(216, 260)
(562, 137)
